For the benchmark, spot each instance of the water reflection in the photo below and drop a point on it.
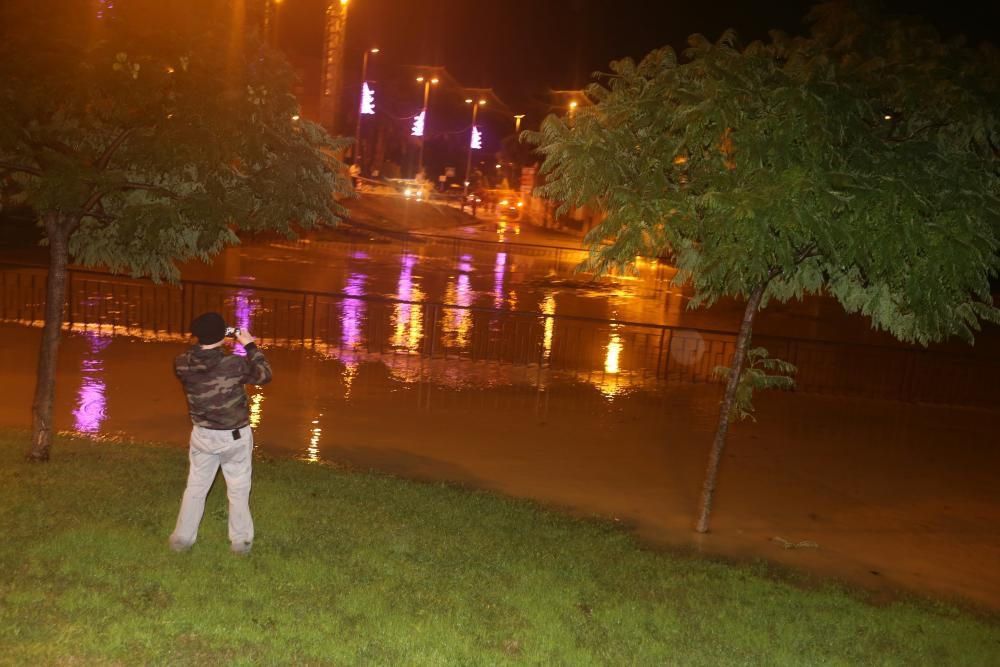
(256, 402)
(243, 305)
(104, 7)
(353, 311)
(609, 383)
(347, 376)
(407, 318)
(613, 351)
(312, 451)
(549, 308)
(458, 321)
(91, 401)
(499, 271)
(504, 228)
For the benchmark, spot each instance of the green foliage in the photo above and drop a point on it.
(156, 132)
(759, 372)
(859, 162)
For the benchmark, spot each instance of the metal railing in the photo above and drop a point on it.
(539, 346)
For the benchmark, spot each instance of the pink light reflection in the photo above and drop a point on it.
(407, 317)
(353, 310)
(91, 402)
(104, 7)
(499, 269)
(244, 308)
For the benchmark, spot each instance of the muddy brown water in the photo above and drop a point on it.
(894, 496)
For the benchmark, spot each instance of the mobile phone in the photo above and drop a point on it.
(231, 332)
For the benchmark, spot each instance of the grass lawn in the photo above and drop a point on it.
(352, 568)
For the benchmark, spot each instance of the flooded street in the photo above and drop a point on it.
(896, 496)
(481, 267)
(484, 359)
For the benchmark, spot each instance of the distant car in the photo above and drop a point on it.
(508, 203)
(409, 188)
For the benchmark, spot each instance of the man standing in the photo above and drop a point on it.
(217, 400)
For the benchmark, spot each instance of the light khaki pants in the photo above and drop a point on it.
(209, 450)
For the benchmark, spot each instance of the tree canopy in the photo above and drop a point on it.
(860, 162)
(155, 131)
(147, 132)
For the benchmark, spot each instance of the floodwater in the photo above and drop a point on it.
(894, 496)
(887, 495)
(488, 266)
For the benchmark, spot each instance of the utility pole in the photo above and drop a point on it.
(472, 132)
(361, 102)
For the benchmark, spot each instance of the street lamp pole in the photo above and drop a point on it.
(468, 160)
(517, 123)
(423, 137)
(361, 101)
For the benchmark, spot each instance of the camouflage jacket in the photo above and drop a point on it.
(214, 384)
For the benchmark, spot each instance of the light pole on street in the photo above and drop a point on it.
(361, 104)
(472, 133)
(423, 135)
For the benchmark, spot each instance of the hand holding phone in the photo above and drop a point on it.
(243, 337)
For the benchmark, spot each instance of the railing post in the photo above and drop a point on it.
(312, 332)
(666, 359)
(69, 298)
(659, 353)
(303, 331)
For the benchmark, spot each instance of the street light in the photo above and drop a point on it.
(472, 133)
(361, 100)
(423, 134)
(517, 123)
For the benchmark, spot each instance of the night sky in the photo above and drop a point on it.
(524, 48)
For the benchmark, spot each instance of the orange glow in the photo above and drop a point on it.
(614, 351)
(312, 451)
(256, 402)
(549, 308)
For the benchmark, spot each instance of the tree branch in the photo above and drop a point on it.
(102, 162)
(917, 131)
(8, 166)
(129, 185)
(97, 195)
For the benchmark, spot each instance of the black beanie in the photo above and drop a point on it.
(209, 328)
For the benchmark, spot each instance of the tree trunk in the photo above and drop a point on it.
(57, 230)
(736, 368)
